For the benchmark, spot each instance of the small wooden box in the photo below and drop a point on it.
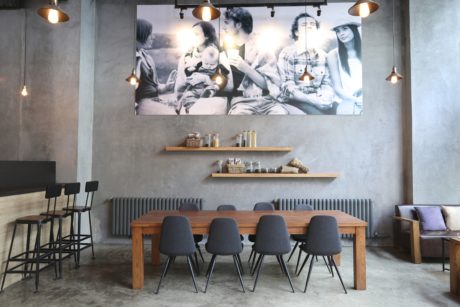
(235, 168)
(193, 142)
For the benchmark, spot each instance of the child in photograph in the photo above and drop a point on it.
(202, 71)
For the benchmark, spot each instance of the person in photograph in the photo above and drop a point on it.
(312, 97)
(346, 68)
(149, 88)
(254, 76)
(197, 66)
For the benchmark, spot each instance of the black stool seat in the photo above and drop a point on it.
(78, 209)
(57, 213)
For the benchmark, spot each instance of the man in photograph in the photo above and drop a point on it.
(255, 78)
(315, 96)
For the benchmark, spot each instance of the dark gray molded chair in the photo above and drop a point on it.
(323, 240)
(299, 239)
(272, 239)
(224, 240)
(263, 206)
(176, 239)
(226, 208)
(196, 238)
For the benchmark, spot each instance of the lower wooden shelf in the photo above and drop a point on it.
(275, 175)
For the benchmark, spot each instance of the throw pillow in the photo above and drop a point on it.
(430, 218)
(452, 214)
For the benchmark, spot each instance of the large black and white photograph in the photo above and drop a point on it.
(250, 61)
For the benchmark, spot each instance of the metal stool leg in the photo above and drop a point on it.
(91, 233)
(29, 227)
(9, 256)
(37, 257)
(78, 239)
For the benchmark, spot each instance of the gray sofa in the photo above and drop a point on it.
(409, 236)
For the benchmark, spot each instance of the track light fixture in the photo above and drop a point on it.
(206, 11)
(272, 12)
(363, 8)
(53, 13)
(181, 13)
(318, 10)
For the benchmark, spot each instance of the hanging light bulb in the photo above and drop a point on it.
(306, 76)
(363, 8)
(53, 13)
(206, 11)
(133, 79)
(394, 76)
(219, 78)
(24, 91)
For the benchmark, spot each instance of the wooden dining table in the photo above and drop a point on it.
(297, 223)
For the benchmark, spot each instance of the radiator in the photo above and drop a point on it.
(360, 208)
(127, 209)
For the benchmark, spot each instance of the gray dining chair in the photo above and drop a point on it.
(323, 239)
(197, 238)
(262, 206)
(272, 238)
(224, 240)
(176, 239)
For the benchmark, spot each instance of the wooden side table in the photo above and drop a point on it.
(454, 250)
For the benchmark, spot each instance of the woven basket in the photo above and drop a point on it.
(193, 142)
(235, 168)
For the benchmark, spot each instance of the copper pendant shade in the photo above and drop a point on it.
(206, 11)
(363, 8)
(394, 76)
(133, 79)
(52, 13)
(306, 76)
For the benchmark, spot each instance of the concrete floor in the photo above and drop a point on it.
(392, 281)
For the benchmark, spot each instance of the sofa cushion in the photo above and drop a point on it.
(452, 214)
(430, 218)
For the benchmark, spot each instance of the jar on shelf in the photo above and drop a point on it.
(207, 140)
(215, 140)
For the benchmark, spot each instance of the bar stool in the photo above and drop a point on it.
(41, 253)
(78, 238)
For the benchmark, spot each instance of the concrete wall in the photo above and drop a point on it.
(435, 65)
(128, 154)
(42, 126)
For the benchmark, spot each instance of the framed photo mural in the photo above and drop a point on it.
(247, 62)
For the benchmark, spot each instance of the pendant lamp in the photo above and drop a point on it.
(206, 11)
(24, 92)
(394, 76)
(306, 76)
(363, 8)
(53, 13)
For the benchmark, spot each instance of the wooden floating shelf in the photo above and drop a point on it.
(275, 175)
(228, 148)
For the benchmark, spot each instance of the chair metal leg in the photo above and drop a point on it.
(199, 251)
(298, 261)
(237, 266)
(250, 255)
(293, 250)
(281, 266)
(163, 274)
(286, 271)
(240, 263)
(37, 258)
(213, 260)
(9, 256)
(309, 273)
(168, 264)
(191, 272)
(196, 265)
(91, 234)
(258, 266)
(338, 273)
(210, 265)
(303, 264)
(29, 228)
(329, 264)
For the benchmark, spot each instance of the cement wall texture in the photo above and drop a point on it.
(372, 152)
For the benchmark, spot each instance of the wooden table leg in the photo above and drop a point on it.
(359, 258)
(156, 249)
(454, 251)
(337, 259)
(137, 258)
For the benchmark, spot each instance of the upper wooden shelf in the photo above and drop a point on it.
(275, 175)
(228, 148)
